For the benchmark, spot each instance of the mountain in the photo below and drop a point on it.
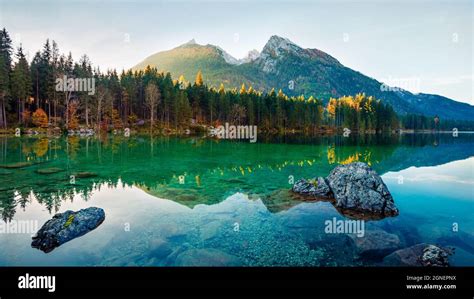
(284, 65)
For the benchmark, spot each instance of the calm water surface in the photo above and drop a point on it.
(195, 201)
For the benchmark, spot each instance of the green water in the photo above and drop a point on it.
(197, 201)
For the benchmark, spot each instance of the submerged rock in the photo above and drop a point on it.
(64, 227)
(460, 239)
(406, 257)
(19, 165)
(419, 255)
(85, 175)
(159, 248)
(374, 245)
(206, 258)
(50, 170)
(280, 200)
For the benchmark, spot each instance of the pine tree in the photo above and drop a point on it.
(5, 72)
(21, 82)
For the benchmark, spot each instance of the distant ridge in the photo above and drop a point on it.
(310, 71)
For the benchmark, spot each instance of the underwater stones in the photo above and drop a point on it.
(316, 188)
(280, 200)
(50, 170)
(17, 165)
(208, 257)
(85, 175)
(209, 230)
(376, 244)
(419, 255)
(159, 248)
(185, 197)
(173, 232)
(434, 256)
(409, 257)
(171, 258)
(64, 227)
(460, 239)
(340, 243)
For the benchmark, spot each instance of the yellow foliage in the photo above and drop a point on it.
(199, 81)
(40, 148)
(332, 107)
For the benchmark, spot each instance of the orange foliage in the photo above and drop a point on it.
(73, 123)
(40, 118)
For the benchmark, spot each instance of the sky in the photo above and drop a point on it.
(420, 45)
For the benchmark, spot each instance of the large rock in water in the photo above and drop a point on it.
(355, 189)
(358, 187)
(64, 227)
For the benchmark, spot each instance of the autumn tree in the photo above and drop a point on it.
(199, 81)
(39, 118)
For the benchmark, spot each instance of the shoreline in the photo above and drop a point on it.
(203, 130)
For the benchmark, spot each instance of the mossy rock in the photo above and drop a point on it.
(314, 182)
(85, 175)
(70, 219)
(50, 170)
(234, 181)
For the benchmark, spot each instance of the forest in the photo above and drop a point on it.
(30, 97)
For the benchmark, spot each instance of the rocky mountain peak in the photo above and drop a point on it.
(274, 50)
(251, 56)
(227, 57)
(277, 45)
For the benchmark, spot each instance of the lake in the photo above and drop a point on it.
(196, 201)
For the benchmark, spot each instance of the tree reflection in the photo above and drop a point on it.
(197, 170)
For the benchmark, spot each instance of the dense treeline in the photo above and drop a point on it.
(29, 96)
(422, 122)
(362, 113)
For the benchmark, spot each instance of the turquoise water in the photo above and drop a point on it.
(197, 201)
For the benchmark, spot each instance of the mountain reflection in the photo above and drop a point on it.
(195, 171)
